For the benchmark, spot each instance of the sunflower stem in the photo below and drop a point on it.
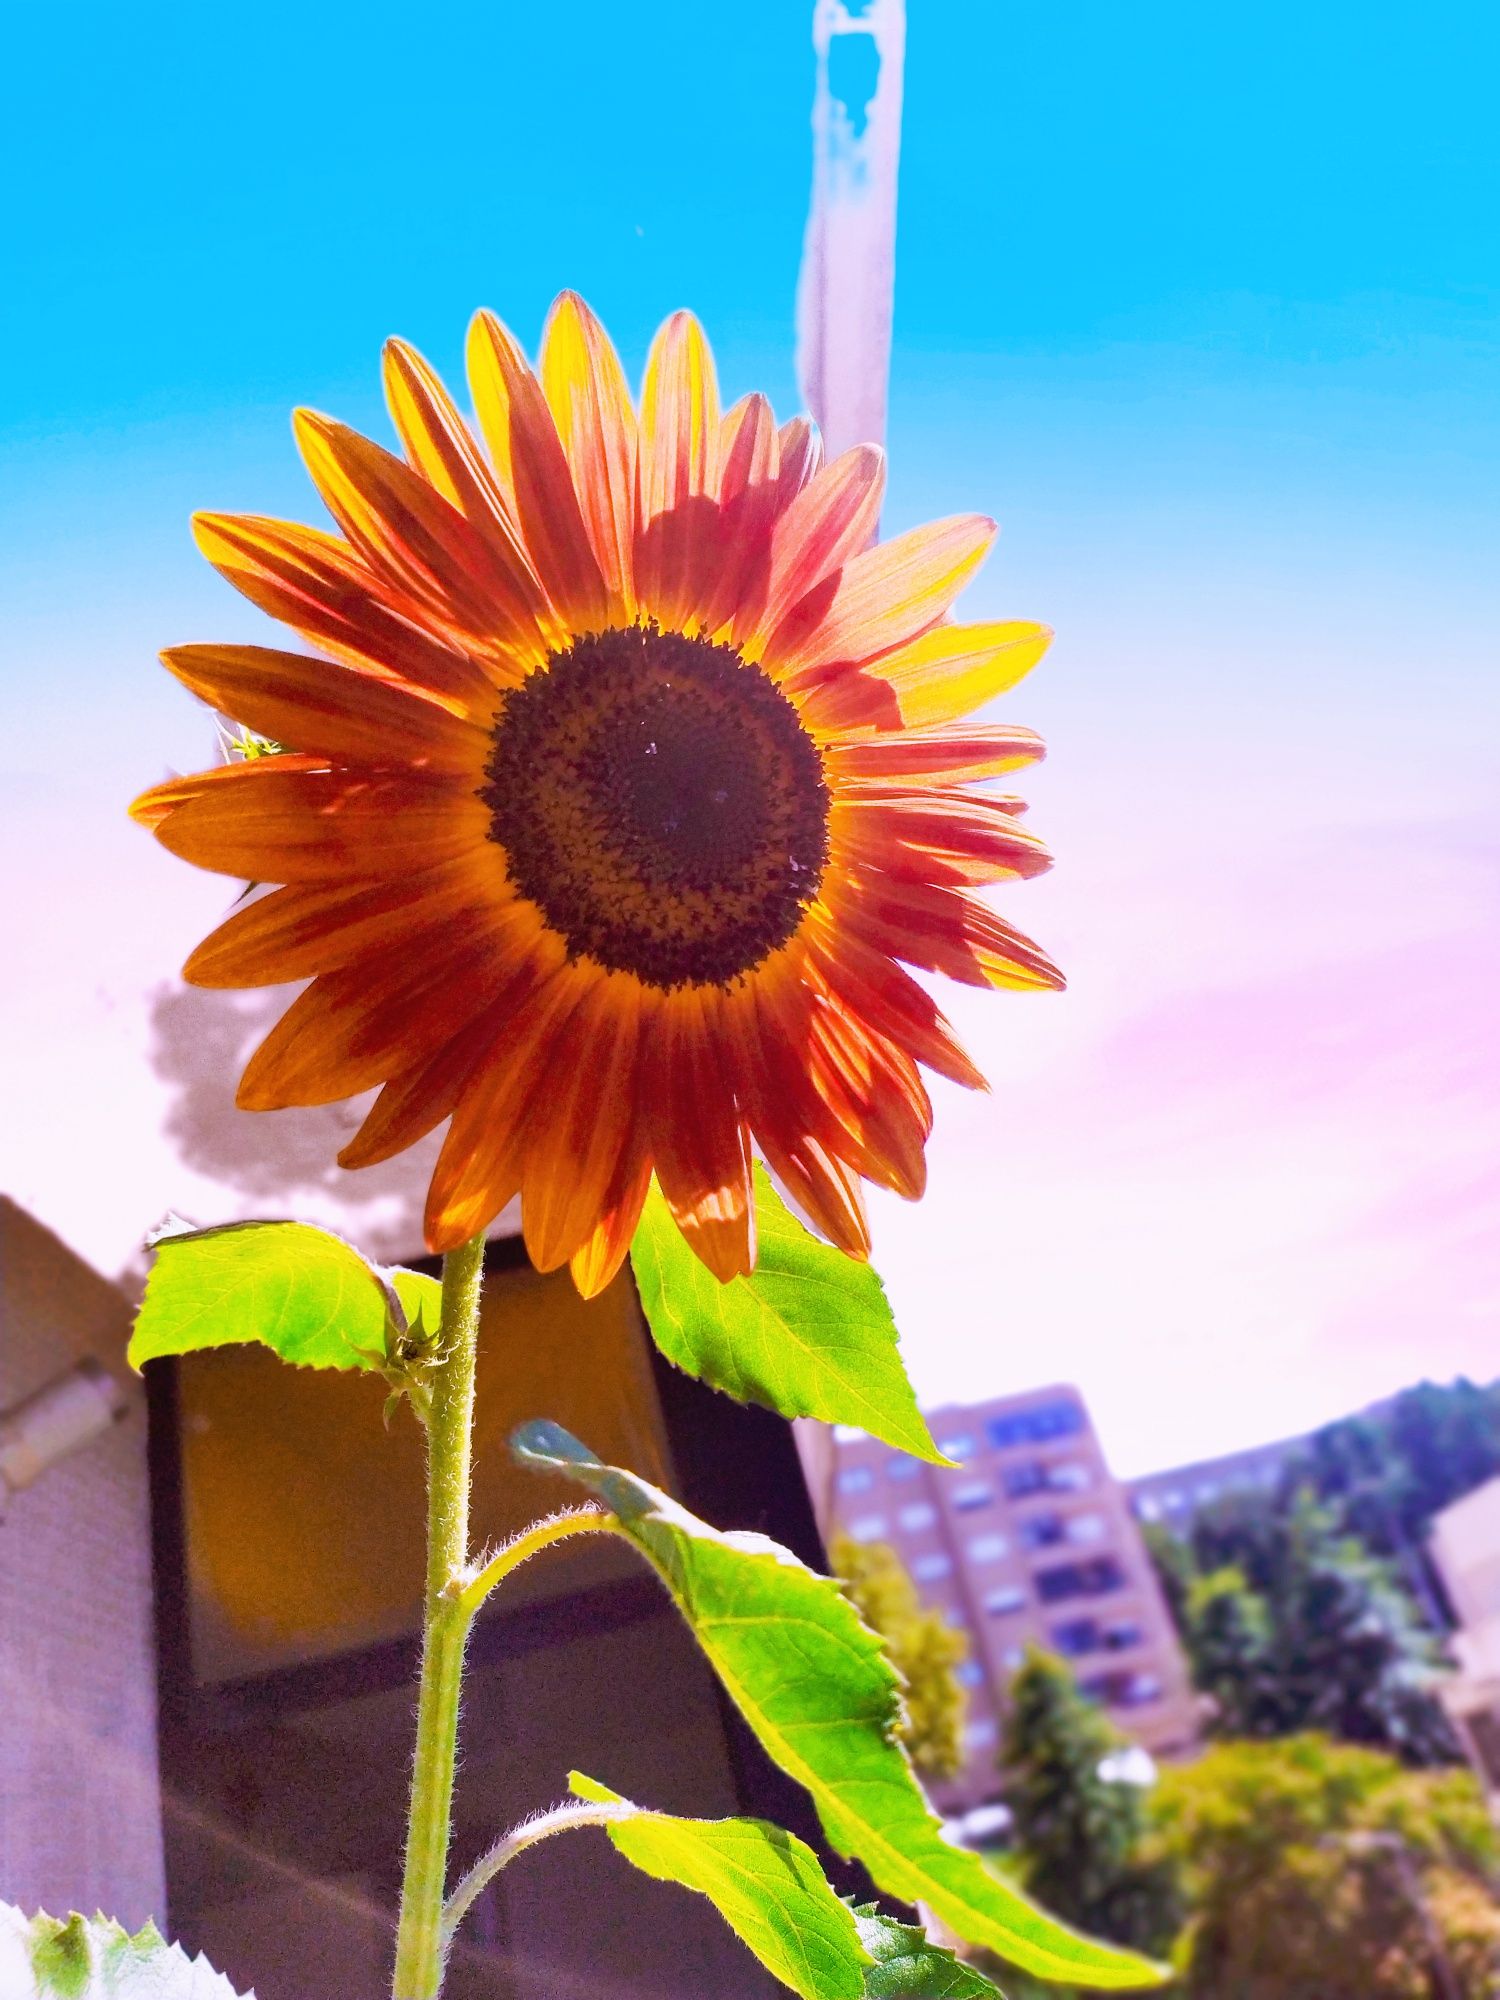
(445, 1630)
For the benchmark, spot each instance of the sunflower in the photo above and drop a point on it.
(620, 789)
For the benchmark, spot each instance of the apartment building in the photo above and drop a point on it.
(1031, 1540)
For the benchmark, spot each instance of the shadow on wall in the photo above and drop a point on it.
(274, 1160)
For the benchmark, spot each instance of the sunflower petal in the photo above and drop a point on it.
(479, 1168)
(878, 600)
(270, 822)
(299, 931)
(696, 1136)
(943, 756)
(586, 390)
(936, 678)
(408, 532)
(352, 1028)
(801, 457)
(942, 930)
(605, 1248)
(316, 584)
(573, 1158)
(937, 837)
(832, 519)
(442, 448)
(332, 707)
(879, 992)
(531, 469)
(677, 526)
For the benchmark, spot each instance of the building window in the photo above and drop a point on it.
(1075, 1637)
(858, 1479)
(1122, 1690)
(969, 1674)
(902, 1468)
(1068, 1476)
(1080, 1579)
(1059, 1419)
(1013, 1658)
(1086, 1528)
(1207, 1493)
(914, 1519)
(1122, 1635)
(1064, 1475)
(959, 1447)
(975, 1494)
(1147, 1508)
(1174, 1500)
(979, 1735)
(1042, 1531)
(1009, 1597)
(987, 1548)
(868, 1528)
(928, 1568)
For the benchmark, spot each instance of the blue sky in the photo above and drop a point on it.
(1201, 303)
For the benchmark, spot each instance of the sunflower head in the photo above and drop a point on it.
(625, 777)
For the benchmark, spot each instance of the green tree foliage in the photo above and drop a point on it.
(923, 1647)
(1292, 1625)
(1386, 1475)
(1077, 1833)
(1319, 1871)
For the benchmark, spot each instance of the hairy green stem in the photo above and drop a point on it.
(541, 1535)
(559, 1820)
(445, 1630)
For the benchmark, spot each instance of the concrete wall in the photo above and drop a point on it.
(80, 1819)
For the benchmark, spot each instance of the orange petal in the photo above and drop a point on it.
(270, 822)
(585, 387)
(941, 929)
(604, 1249)
(944, 674)
(361, 1024)
(678, 519)
(408, 532)
(296, 932)
(156, 804)
(832, 519)
(866, 1103)
(936, 836)
(878, 600)
(314, 583)
(696, 1135)
(330, 706)
(879, 992)
(946, 756)
(821, 1185)
(443, 449)
(418, 1098)
(748, 488)
(801, 457)
(531, 468)
(479, 1168)
(574, 1153)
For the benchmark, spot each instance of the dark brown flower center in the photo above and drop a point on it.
(659, 800)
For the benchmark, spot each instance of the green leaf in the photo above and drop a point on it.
(305, 1294)
(808, 1333)
(908, 1967)
(94, 1958)
(815, 1686)
(764, 1882)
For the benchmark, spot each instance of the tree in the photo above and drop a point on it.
(1078, 1833)
(1318, 1871)
(924, 1648)
(1291, 1625)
